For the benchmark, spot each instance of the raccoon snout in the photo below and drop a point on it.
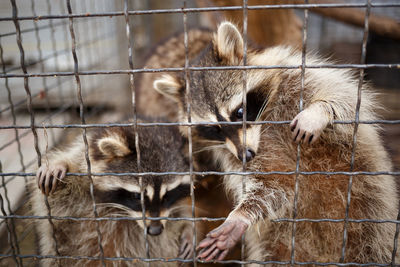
(155, 228)
(250, 154)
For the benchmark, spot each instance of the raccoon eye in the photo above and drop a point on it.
(239, 113)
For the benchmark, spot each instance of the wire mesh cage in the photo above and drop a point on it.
(70, 67)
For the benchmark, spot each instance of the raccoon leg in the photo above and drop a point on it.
(219, 241)
(186, 247)
(48, 176)
(308, 125)
(262, 201)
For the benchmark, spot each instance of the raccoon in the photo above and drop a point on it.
(113, 150)
(273, 95)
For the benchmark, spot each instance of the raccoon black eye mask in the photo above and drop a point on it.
(132, 199)
(255, 102)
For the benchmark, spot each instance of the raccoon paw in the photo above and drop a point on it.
(220, 240)
(186, 246)
(308, 125)
(48, 176)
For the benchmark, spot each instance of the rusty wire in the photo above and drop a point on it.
(357, 118)
(298, 156)
(72, 218)
(180, 69)
(83, 121)
(136, 259)
(244, 119)
(130, 37)
(204, 9)
(188, 96)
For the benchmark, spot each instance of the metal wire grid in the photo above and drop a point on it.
(296, 185)
(244, 126)
(9, 219)
(189, 130)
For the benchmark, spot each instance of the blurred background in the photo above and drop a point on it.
(102, 46)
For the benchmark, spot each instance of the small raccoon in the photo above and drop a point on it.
(113, 150)
(273, 95)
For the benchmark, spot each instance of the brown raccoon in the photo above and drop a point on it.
(113, 150)
(273, 95)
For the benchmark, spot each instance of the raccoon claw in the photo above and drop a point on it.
(186, 247)
(219, 241)
(307, 126)
(48, 176)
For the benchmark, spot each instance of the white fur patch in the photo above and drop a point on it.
(230, 42)
(253, 133)
(231, 147)
(113, 146)
(204, 117)
(163, 190)
(112, 184)
(252, 139)
(168, 86)
(234, 102)
(168, 187)
(150, 192)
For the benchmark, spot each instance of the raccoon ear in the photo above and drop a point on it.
(229, 43)
(113, 147)
(168, 86)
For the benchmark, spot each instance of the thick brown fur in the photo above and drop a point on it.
(113, 150)
(273, 95)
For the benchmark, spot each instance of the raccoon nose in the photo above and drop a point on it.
(250, 154)
(155, 229)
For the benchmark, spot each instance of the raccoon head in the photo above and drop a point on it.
(114, 151)
(217, 95)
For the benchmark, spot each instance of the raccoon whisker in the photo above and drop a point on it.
(266, 128)
(114, 205)
(210, 141)
(209, 148)
(178, 208)
(262, 113)
(262, 109)
(203, 210)
(184, 206)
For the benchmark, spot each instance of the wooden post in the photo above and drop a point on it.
(380, 25)
(266, 27)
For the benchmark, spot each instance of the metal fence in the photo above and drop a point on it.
(72, 56)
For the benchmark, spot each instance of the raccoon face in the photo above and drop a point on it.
(114, 152)
(161, 199)
(217, 96)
